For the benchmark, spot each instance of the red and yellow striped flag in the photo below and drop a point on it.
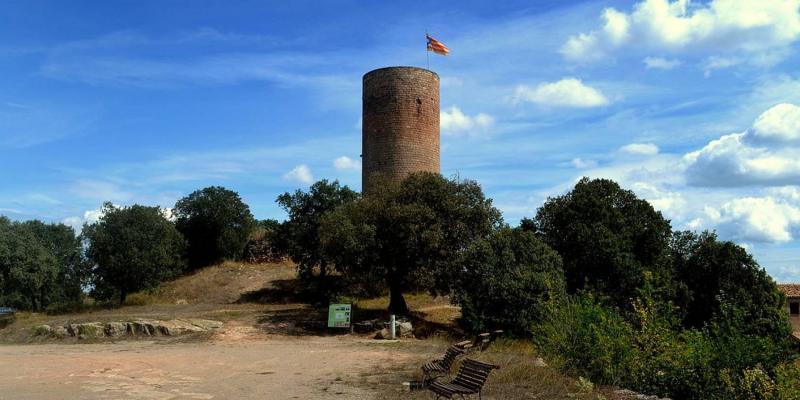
(437, 46)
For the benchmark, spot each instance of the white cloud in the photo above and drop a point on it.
(89, 217)
(717, 62)
(647, 149)
(780, 123)
(752, 27)
(583, 164)
(766, 154)
(660, 63)
(300, 173)
(345, 163)
(568, 92)
(757, 219)
(455, 123)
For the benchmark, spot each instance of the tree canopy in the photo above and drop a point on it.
(408, 235)
(301, 229)
(607, 237)
(27, 267)
(216, 224)
(132, 248)
(41, 265)
(720, 276)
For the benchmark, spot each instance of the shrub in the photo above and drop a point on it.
(787, 377)
(508, 281)
(265, 243)
(587, 338)
(653, 355)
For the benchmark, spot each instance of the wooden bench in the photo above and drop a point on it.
(442, 366)
(470, 379)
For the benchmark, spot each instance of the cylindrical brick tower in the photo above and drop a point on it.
(400, 124)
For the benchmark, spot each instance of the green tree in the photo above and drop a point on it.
(408, 235)
(508, 281)
(216, 224)
(720, 275)
(301, 230)
(27, 266)
(73, 270)
(608, 239)
(132, 248)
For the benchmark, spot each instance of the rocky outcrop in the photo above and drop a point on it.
(402, 329)
(141, 327)
(91, 330)
(115, 329)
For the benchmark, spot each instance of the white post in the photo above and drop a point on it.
(392, 327)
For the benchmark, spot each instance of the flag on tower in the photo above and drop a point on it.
(437, 46)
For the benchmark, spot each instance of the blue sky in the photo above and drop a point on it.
(694, 106)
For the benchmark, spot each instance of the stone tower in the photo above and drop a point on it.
(400, 124)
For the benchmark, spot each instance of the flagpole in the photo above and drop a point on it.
(427, 53)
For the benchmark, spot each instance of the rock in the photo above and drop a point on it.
(638, 396)
(72, 329)
(206, 324)
(42, 330)
(60, 332)
(142, 327)
(383, 334)
(181, 302)
(404, 329)
(91, 330)
(177, 327)
(539, 362)
(115, 329)
(364, 327)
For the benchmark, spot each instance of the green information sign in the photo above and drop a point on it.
(339, 316)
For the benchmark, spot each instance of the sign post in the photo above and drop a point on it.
(339, 315)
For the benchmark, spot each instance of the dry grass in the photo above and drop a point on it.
(519, 376)
(218, 284)
(213, 293)
(435, 310)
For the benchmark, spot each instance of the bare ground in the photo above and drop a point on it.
(258, 354)
(225, 368)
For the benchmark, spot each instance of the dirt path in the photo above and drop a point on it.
(276, 367)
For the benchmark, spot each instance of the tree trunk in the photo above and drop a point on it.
(397, 303)
(323, 269)
(122, 295)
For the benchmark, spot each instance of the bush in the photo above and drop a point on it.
(508, 282)
(587, 338)
(265, 243)
(652, 355)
